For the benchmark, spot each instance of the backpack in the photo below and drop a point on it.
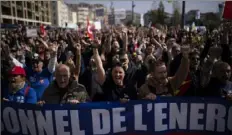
(26, 91)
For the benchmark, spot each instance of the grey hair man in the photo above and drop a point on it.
(63, 89)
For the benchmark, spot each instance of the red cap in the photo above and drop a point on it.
(18, 71)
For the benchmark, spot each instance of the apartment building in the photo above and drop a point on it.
(26, 12)
(72, 17)
(60, 13)
(95, 12)
(84, 11)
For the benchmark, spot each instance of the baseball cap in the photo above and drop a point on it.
(17, 71)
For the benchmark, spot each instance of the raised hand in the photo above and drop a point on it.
(40, 103)
(96, 43)
(6, 100)
(124, 30)
(78, 48)
(124, 100)
(185, 49)
(54, 47)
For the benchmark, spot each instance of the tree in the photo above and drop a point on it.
(176, 18)
(161, 15)
(211, 20)
(150, 16)
(156, 16)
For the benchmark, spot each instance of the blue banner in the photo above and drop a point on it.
(164, 116)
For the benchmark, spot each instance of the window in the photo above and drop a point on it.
(13, 11)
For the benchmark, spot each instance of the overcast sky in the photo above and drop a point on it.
(143, 6)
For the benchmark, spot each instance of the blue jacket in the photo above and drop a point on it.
(21, 96)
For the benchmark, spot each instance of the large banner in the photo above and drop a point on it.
(165, 116)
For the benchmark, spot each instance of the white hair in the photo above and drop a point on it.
(62, 66)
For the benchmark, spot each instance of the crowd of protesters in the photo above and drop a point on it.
(121, 63)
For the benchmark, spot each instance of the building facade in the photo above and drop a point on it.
(60, 13)
(136, 19)
(100, 13)
(26, 12)
(94, 12)
(83, 11)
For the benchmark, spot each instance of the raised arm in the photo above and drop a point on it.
(101, 76)
(43, 43)
(214, 53)
(12, 60)
(77, 69)
(125, 40)
(53, 60)
(107, 45)
(182, 71)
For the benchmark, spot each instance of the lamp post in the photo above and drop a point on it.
(183, 15)
(133, 6)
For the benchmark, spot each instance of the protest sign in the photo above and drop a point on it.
(97, 25)
(165, 116)
(32, 33)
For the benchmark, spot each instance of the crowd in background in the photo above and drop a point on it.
(120, 63)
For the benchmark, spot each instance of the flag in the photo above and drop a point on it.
(89, 30)
(184, 87)
(42, 30)
(227, 13)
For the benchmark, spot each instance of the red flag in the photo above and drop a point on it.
(42, 30)
(227, 13)
(89, 30)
